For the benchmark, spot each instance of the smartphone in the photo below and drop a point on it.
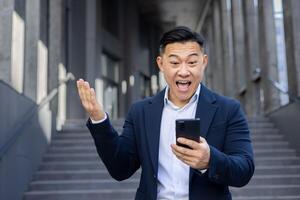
(188, 128)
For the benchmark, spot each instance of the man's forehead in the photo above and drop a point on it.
(189, 47)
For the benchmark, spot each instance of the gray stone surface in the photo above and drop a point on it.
(253, 107)
(32, 36)
(218, 69)
(57, 56)
(267, 54)
(292, 39)
(227, 50)
(6, 10)
(238, 31)
(21, 159)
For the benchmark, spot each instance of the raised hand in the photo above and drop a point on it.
(89, 102)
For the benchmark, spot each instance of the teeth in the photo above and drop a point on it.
(183, 82)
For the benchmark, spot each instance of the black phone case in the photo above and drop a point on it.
(188, 128)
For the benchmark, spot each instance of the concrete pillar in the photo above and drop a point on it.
(218, 69)
(292, 42)
(6, 11)
(267, 52)
(91, 39)
(227, 49)
(211, 56)
(253, 107)
(17, 45)
(31, 48)
(131, 22)
(76, 55)
(57, 64)
(239, 48)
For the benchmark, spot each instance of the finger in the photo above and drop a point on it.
(191, 164)
(81, 91)
(94, 100)
(186, 159)
(184, 151)
(86, 92)
(190, 143)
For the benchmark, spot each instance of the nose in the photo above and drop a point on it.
(183, 70)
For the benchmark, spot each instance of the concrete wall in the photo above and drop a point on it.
(286, 119)
(19, 163)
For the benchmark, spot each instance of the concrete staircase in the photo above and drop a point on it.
(71, 168)
(277, 173)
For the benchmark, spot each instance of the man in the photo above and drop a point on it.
(223, 156)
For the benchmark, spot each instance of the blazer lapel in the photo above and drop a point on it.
(206, 109)
(153, 113)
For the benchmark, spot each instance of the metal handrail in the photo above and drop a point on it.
(287, 92)
(15, 132)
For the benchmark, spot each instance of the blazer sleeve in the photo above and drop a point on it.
(234, 166)
(118, 152)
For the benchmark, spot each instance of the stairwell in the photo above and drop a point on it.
(277, 167)
(71, 168)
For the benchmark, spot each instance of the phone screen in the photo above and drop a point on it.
(188, 128)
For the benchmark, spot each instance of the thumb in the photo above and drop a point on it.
(202, 140)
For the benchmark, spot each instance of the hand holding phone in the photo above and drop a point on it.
(188, 128)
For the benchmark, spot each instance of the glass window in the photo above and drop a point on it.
(109, 88)
(110, 16)
(145, 86)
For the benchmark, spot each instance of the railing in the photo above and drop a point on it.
(23, 120)
(290, 95)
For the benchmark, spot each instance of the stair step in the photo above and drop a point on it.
(264, 197)
(279, 169)
(83, 184)
(72, 165)
(105, 194)
(262, 137)
(264, 131)
(87, 149)
(267, 190)
(274, 152)
(258, 119)
(291, 160)
(75, 174)
(72, 157)
(73, 136)
(275, 179)
(72, 143)
(260, 125)
(271, 145)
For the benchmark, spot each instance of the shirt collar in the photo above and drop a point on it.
(193, 99)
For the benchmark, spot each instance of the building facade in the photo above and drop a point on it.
(253, 49)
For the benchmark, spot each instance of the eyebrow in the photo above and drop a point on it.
(174, 55)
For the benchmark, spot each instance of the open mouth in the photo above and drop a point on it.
(183, 85)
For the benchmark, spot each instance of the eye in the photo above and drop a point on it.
(192, 62)
(174, 63)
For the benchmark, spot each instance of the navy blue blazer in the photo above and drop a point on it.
(223, 125)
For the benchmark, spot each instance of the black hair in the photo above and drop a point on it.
(181, 34)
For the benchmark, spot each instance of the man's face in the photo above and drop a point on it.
(183, 67)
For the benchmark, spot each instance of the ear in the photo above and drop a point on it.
(205, 60)
(159, 62)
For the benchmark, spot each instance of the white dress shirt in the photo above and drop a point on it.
(173, 174)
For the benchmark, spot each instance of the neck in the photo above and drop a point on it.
(178, 102)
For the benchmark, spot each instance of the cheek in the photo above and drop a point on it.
(170, 74)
